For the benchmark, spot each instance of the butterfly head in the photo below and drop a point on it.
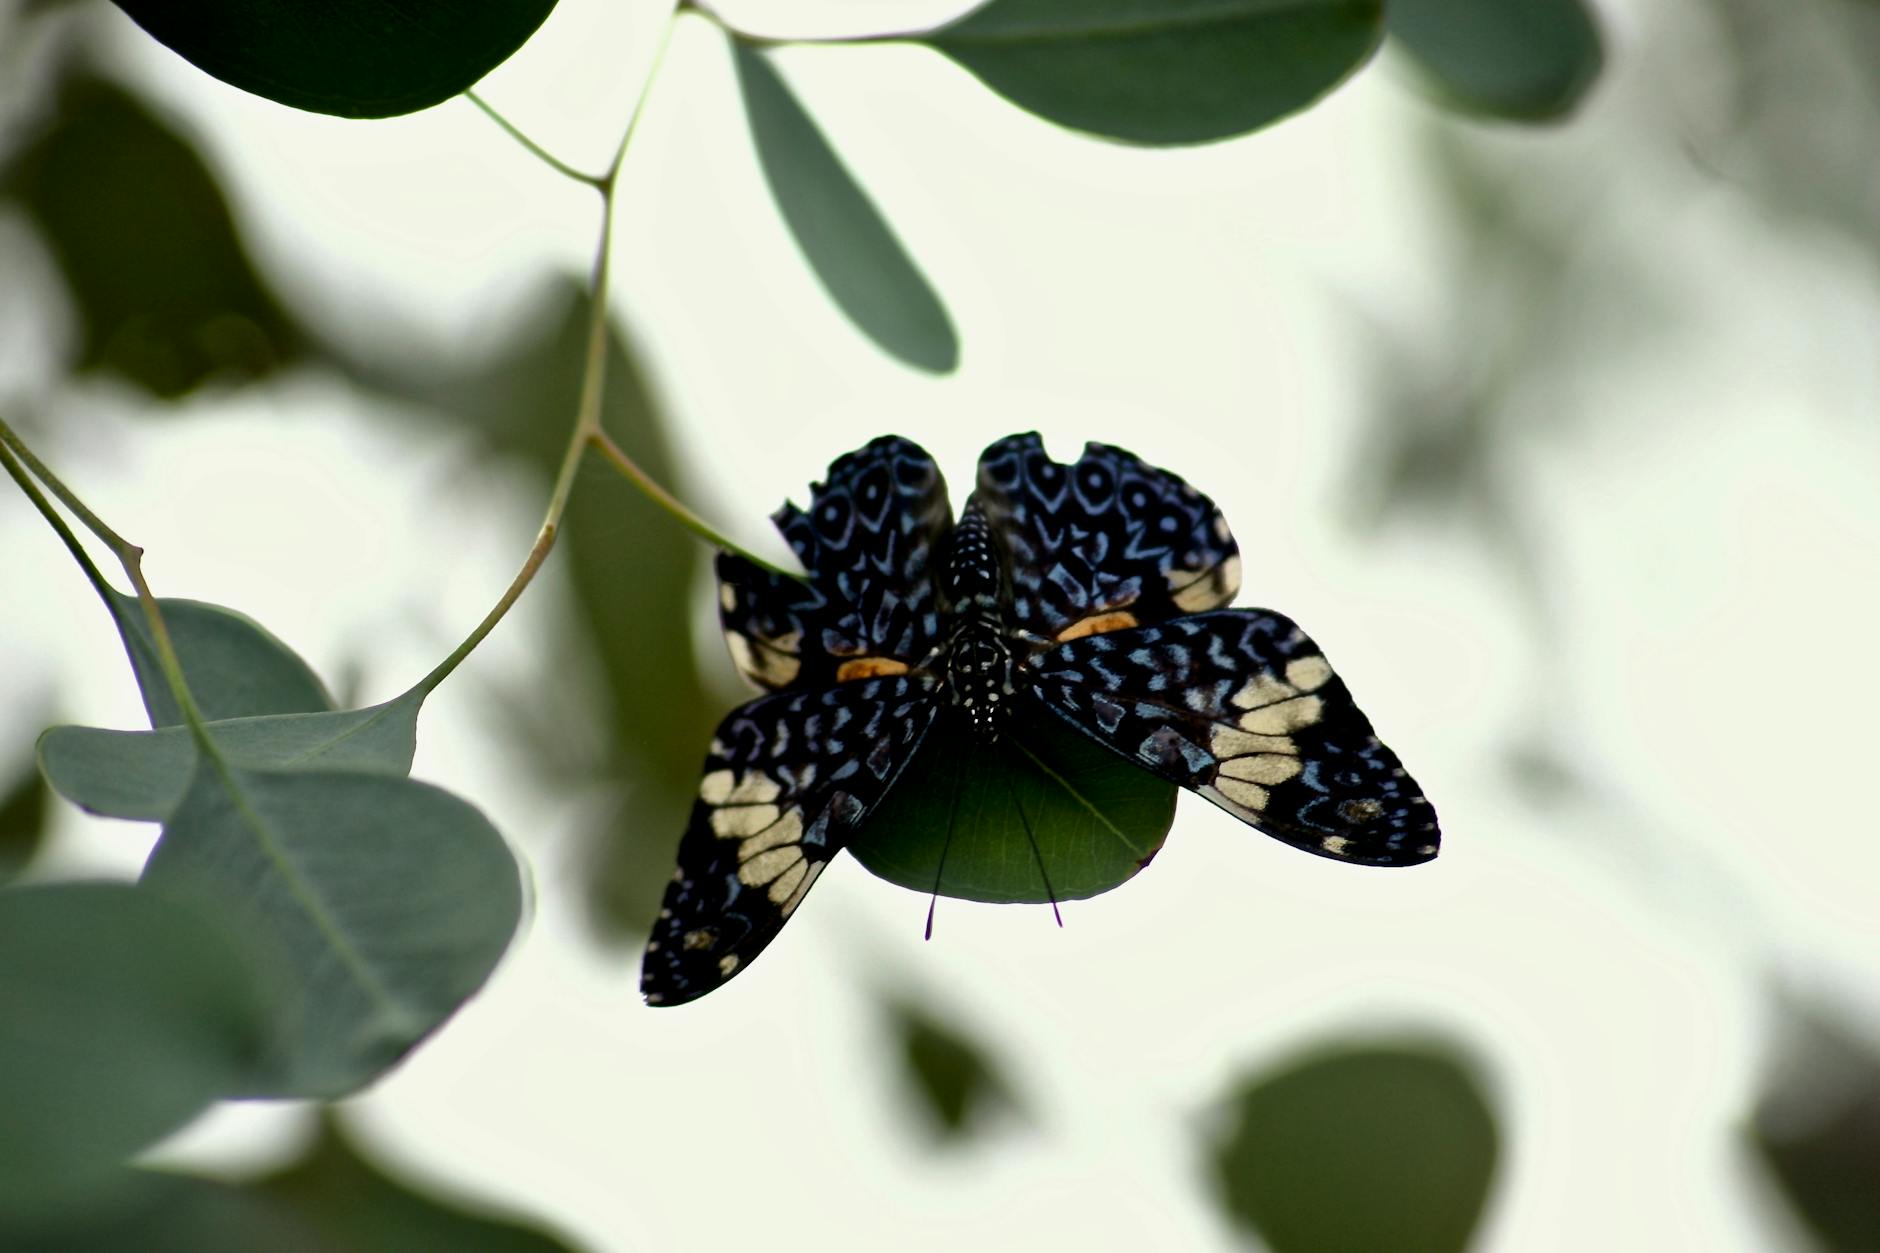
(980, 676)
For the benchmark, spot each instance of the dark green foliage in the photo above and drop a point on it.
(1524, 59)
(852, 249)
(1817, 1130)
(165, 295)
(22, 822)
(125, 1014)
(950, 1074)
(1360, 1149)
(1163, 71)
(353, 58)
(332, 1200)
(1095, 824)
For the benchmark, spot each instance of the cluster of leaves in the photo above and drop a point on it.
(307, 915)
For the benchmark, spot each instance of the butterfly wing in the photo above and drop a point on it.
(788, 779)
(868, 541)
(1103, 544)
(1240, 706)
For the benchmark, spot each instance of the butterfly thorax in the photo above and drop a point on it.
(979, 670)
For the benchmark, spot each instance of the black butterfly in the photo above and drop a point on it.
(1094, 590)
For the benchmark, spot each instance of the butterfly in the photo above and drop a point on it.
(1095, 590)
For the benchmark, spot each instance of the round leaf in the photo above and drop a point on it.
(1531, 59)
(234, 666)
(1163, 71)
(124, 1014)
(353, 58)
(1387, 1147)
(1042, 814)
(390, 900)
(143, 774)
(843, 236)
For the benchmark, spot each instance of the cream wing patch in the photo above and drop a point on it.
(769, 834)
(1258, 751)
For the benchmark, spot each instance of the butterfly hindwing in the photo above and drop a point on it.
(1240, 706)
(1102, 544)
(788, 780)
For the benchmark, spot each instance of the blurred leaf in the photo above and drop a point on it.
(235, 668)
(949, 1073)
(978, 819)
(1366, 1148)
(843, 236)
(1523, 59)
(126, 1013)
(1163, 71)
(351, 58)
(143, 774)
(390, 900)
(353, 1206)
(147, 1211)
(22, 823)
(1817, 1130)
(165, 294)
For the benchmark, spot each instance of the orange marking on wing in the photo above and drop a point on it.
(869, 668)
(1097, 624)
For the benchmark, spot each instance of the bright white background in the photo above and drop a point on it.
(1705, 506)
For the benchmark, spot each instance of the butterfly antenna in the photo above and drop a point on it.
(1036, 855)
(953, 806)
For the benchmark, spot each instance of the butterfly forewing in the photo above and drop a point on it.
(1103, 544)
(1240, 706)
(789, 778)
(868, 540)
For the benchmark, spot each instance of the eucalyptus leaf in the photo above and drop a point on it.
(1042, 814)
(1359, 1149)
(100, 180)
(235, 668)
(1525, 59)
(143, 774)
(352, 58)
(846, 241)
(1163, 71)
(391, 900)
(125, 1014)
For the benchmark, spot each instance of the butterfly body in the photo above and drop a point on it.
(1095, 590)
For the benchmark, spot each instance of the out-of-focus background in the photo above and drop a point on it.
(1560, 439)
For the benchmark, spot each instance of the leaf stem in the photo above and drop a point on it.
(129, 555)
(587, 433)
(540, 153)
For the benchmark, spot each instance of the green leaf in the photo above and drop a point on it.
(1359, 1149)
(390, 900)
(351, 58)
(1043, 814)
(148, 1211)
(352, 1205)
(1525, 59)
(235, 668)
(1817, 1129)
(846, 241)
(22, 823)
(950, 1074)
(143, 774)
(100, 182)
(125, 1014)
(1163, 71)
